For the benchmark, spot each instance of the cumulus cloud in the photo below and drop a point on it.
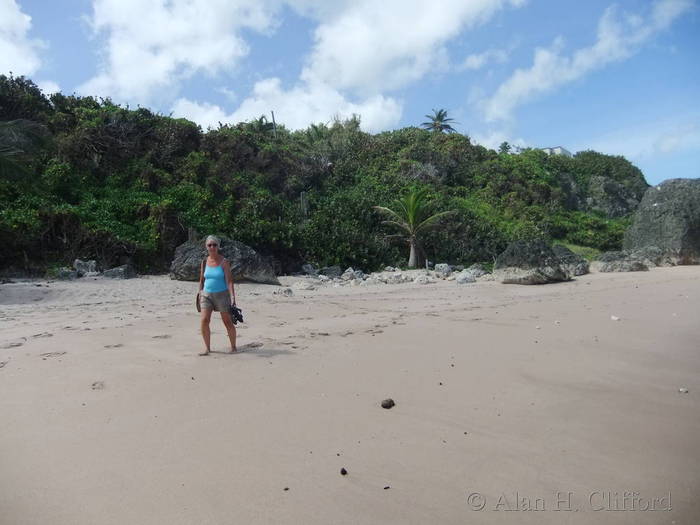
(18, 53)
(366, 47)
(361, 51)
(296, 108)
(479, 60)
(49, 87)
(152, 45)
(203, 113)
(619, 37)
(494, 138)
(651, 139)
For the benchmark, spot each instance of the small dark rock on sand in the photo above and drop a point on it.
(388, 403)
(343, 472)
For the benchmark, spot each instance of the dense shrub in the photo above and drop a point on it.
(118, 184)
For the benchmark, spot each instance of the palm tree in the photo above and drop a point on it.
(439, 122)
(411, 215)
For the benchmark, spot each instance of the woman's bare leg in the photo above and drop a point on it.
(206, 332)
(230, 329)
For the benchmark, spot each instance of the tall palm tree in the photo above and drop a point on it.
(411, 215)
(439, 122)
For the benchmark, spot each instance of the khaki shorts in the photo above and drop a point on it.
(217, 301)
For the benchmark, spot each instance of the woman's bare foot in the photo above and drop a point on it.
(233, 351)
(206, 352)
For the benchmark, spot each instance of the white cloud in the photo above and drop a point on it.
(617, 40)
(651, 139)
(49, 87)
(18, 53)
(362, 49)
(494, 138)
(152, 45)
(479, 60)
(376, 46)
(205, 114)
(680, 138)
(296, 108)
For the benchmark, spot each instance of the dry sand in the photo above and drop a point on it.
(108, 416)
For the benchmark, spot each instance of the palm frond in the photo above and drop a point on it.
(432, 221)
(388, 211)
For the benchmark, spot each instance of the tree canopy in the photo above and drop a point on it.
(119, 184)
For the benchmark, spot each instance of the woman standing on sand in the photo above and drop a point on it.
(216, 293)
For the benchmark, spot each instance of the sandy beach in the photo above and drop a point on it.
(559, 398)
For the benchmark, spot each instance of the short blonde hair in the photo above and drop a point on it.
(213, 238)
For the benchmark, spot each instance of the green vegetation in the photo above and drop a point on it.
(586, 252)
(439, 122)
(118, 184)
(411, 215)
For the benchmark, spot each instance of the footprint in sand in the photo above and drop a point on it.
(3, 363)
(345, 334)
(98, 385)
(162, 336)
(118, 345)
(51, 354)
(250, 346)
(43, 334)
(12, 344)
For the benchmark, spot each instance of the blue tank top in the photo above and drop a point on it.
(214, 280)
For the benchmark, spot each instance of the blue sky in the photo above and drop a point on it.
(621, 78)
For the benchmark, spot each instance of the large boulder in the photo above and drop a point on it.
(620, 261)
(125, 271)
(246, 263)
(87, 268)
(443, 270)
(529, 262)
(465, 277)
(669, 218)
(332, 272)
(477, 270)
(570, 262)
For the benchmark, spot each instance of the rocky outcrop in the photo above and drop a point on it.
(66, 274)
(331, 271)
(610, 197)
(86, 268)
(529, 262)
(602, 194)
(465, 277)
(668, 218)
(125, 271)
(246, 263)
(619, 261)
(571, 263)
(443, 270)
(632, 260)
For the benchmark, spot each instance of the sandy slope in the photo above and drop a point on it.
(109, 417)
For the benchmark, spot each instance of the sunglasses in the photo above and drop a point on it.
(212, 245)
